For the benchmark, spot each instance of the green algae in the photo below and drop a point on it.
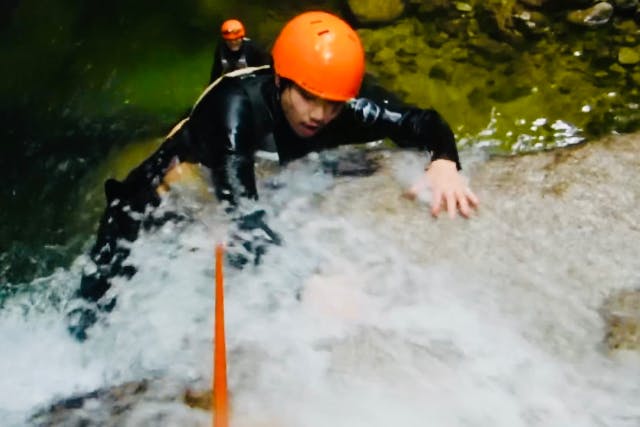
(486, 87)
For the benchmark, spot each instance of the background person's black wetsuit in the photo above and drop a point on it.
(226, 60)
(229, 123)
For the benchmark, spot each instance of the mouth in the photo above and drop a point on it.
(308, 129)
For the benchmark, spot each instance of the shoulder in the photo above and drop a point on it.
(368, 111)
(234, 84)
(231, 94)
(364, 110)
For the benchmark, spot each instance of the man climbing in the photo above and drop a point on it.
(308, 102)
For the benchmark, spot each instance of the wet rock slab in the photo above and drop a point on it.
(576, 207)
(136, 403)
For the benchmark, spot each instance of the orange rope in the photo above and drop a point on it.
(220, 395)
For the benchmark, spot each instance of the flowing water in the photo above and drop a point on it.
(370, 314)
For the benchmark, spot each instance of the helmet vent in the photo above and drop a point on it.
(323, 32)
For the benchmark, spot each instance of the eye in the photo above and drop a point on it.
(306, 95)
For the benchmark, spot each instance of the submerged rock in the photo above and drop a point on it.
(136, 403)
(376, 11)
(531, 23)
(621, 312)
(595, 16)
(628, 56)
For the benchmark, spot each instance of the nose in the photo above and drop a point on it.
(318, 112)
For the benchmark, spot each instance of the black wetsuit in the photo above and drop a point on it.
(226, 60)
(242, 114)
(229, 123)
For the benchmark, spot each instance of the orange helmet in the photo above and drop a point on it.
(322, 54)
(232, 29)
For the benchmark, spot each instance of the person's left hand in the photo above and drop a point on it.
(448, 189)
(250, 240)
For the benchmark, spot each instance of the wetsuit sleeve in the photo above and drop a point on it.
(139, 187)
(134, 194)
(216, 68)
(366, 120)
(222, 129)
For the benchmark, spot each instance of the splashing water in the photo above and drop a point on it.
(370, 314)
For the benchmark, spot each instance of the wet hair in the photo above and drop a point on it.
(284, 84)
(287, 83)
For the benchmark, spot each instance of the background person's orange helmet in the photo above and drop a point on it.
(232, 29)
(322, 54)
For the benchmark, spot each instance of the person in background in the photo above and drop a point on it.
(311, 100)
(235, 51)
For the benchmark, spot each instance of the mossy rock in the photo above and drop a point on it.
(430, 6)
(628, 56)
(496, 18)
(493, 49)
(376, 11)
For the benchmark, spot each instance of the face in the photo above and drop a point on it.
(234, 45)
(305, 112)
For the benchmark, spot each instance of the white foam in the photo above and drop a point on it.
(364, 317)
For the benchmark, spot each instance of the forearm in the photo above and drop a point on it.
(224, 137)
(234, 178)
(430, 127)
(150, 173)
(383, 116)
